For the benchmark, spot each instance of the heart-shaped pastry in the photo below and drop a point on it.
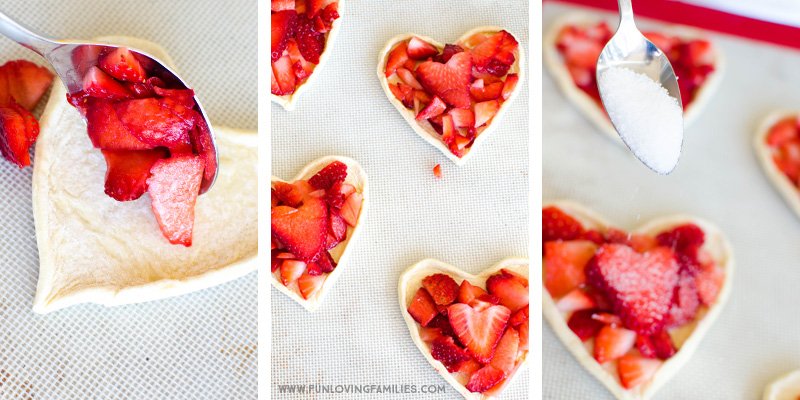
(574, 42)
(487, 313)
(454, 95)
(94, 249)
(787, 387)
(302, 38)
(315, 219)
(777, 145)
(632, 308)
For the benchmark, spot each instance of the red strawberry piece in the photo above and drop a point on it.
(564, 264)
(686, 300)
(128, 171)
(283, 28)
(106, 130)
(583, 325)
(484, 379)
(173, 187)
(18, 132)
(25, 82)
(419, 49)
(441, 322)
(450, 134)
(496, 54)
(302, 68)
(397, 58)
(153, 123)
(442, 288)
(612, 343)
(558, 225)
(275, 86)
(276, 262)
(290, 194)
(505, 355)
(325, 262)
(518, 318)
(468, 292)
(523, 336)
(509, 85)
(335, 196)
(607, 318)
(782, 132)
(464, 370)
(291, 270)
(352, 208)
(436, 107)
(709, 281)
(449, 81)
(408, 78)
(122, 65)
(445, 350)
(404, 93)
(310, 42)
(509, 290)
(575, 300)
(333, 173)
(646, 346)
(437, 171)
(594, 236)
(313, 269)
(462, 118)
(282, 5)
(285, 77)
(428, 335)
(482, 91)
(422, 307)
(448, 52)
(484, 301)
(302, 230)
(485, 111)
(338, 228)
(639, 285)
(685, 240)
(314, 7)
(663, 345)
(478, 330)
(203, 145)
(309, 284)
(635, 370)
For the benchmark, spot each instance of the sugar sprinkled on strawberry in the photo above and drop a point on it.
(558, 225)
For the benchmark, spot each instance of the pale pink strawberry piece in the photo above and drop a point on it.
(408, 78)
(485, 111)
(635, 370)
(484, 379)
(428, 335)
(450, 135)
(612, 343)
(397, 58)
(686, 300)
(462, 118)
(509, 85)
(282, 5)
(419, 49)
(422, 308)
(478, 330)
(564, 263)
(291, 270)
(302, 68)
(449, 81)
(465, 369)
(284, 75)
(505, 355)
(709, 281)
(309, 284)
(607, 318)
(574, 301)
(173, 186)
(434, 108)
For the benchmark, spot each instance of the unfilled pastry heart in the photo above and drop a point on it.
(777, 145)
(632, 307)
(574, 42)
(302, 38)
(94, 249)
(473, 329)
(316, 218)
(453, 95)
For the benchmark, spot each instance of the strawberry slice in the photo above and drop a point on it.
(709, 281)
(283, 27)
(465, 369)
(445, 350)
(505, 356)
(558, 225)
(128, 171)
(449, 81)
(309, 284)
(484, 379)
(310, 42)
(574, 301)
(468, 292)
(291, 194)
(448, 52)
(122, 65)
(203, 145)
(564, 264)
(485, 111)
(284, 74)
(302, 68)
(281, 5)
(335, 172)
(635, 370)
(481, 91)
(509, 85)
(478, 330)
(173, 187)
(106, 130)
(508, 290)
(302, 230)
(442, 288)
(18, 132)
(518, 318)
(656, 346)
(782, 132)
(99, 84)
(352, 208)
(25, 82)
(495, 54)
(584, 325)
(462, 118)
(422, 307)
(434, 108)
(419, 49)
(612, 343)
(291, 270)
(686, 300)
(408, 78)
(397, 58)
(153, 123)
(639, 285)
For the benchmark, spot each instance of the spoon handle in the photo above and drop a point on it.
(23, 36)
(625, 12)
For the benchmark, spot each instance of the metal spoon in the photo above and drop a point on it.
(72, 60)
(630, 49)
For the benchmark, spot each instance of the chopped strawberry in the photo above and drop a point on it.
(330, 14)
(607, 318)
(97, 83)
(422, 307)
(290, 194)
(465, 369)
(283, 25)
(314, 7)
(404, 93)
(310, 42)
(436, 107)
(284, 74)
(518, 318)
(686, 300)
(468, 292)
(203, 145)
(331, 174)
(612, 343)
(309, 284)
(428, 335)
(485, 111)
(558, 225)
(523, 336)
(128, 171)
(635, 370)
(449, 51)
(479, 331)
(450, 135)
(685, 240)
(408, 78)
(462, 118)
(338, 229)
(25, 82)
(437, 171)
(281, 5)
(291, 270)
(484, 379)
(173, 187)
(505, 355)
(153, 122)
(575, 300)
(397, 58)
(325, 262)
(509, 290)
(122, 65)
(495, 54)
(302, 68)
(352, 208)
(782, 132)
(419, 49)
(442, 288)
(583, 325)
(564, 264)
(449, 81)
(663, 345)
(482, 91)
(302, 230)
(509, 85)
(445, 350)
(639, 285)
(18, 131)
(709, 281)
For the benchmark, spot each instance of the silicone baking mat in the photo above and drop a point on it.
(757, 335)
(198, 346)
(472, 218)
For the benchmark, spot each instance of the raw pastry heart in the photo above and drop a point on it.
(787, 387)
(316, 290)
(589, 49)
(294, 66)
(777, 145)
(411, 282)
(640, 363)
(94, 249)
(490, 110)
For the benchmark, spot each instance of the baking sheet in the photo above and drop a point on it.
(197, 346)
(757, 336)
(473, 217)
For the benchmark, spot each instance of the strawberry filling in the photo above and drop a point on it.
(627, 296)
(480, 335)
(152, 136)
(22, 85)
(457, 90)
(580, 46)
(783, 141)
(310, 220)
(299, 30)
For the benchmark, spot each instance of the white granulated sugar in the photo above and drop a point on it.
(648, 120)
